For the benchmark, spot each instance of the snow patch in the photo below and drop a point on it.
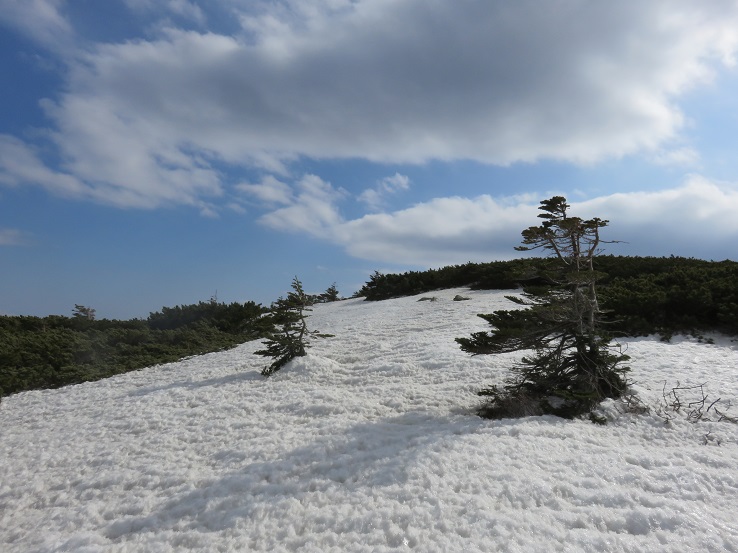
(367, 444)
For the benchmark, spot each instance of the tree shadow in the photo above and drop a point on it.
(365, 457)
(198, 384)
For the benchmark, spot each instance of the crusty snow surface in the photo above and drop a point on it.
(369, 443)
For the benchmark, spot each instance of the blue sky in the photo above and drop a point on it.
(159, 152)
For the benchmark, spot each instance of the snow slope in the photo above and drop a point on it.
(367, 444)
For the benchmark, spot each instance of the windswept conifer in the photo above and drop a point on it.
(290, 336)
(84, 312)
(574, 366)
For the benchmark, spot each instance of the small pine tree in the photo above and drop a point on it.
(331, 294)
(574, 366)
(290, 336)
(83, 312)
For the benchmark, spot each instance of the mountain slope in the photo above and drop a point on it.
(367, 444)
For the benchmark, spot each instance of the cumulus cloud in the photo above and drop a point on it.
(405, 81)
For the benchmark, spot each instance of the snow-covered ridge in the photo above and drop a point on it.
(367, 444)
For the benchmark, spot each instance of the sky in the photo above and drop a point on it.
(158, 153)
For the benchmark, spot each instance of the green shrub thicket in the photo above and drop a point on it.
(53, 351)
(640, 295)
(670, 295)
(497, 275)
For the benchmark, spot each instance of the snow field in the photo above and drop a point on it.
(368, 444)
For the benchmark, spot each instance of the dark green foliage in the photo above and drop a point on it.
(233, 318)
(638, 295)
(289, 337)
(567, 374)
(499, 275)
(573, 367)
(55, 351)
(649, 295)
(330, 295)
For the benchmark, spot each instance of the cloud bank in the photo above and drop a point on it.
(154, 121)
(695, 219)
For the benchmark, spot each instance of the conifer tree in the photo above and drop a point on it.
(290, 336)
(84, 312)
(331, 294)
(574, 366)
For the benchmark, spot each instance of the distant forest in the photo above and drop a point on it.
(49, 352)
(641, 295)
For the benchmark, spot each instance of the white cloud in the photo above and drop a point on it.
(270, 191)
(686, 157)
(700, 210)
(11, 237)
(183, 8)
(20, 164)
(442, 231)
(695, 219)
(313, 210)
(119, 176)
(41, 20)
(374, 197)
(186, 9)
(145, 123)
